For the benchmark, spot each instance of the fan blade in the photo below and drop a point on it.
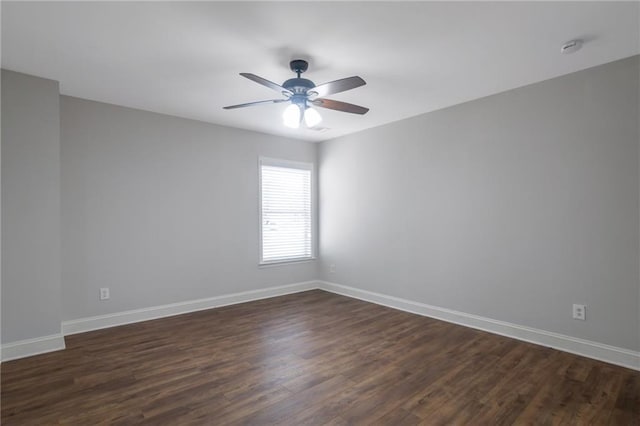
(339, 106)
(270, 101)
(338, 86)
(267, 83)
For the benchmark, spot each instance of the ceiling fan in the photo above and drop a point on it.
(303, 93)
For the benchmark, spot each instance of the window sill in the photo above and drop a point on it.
(285, 262)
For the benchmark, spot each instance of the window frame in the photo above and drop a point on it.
(277, 162)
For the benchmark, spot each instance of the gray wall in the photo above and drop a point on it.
(161, 209)
(30, 207)
(511, 207)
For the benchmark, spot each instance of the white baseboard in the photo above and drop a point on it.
(29, 347)
(611, 354)
(128, 317)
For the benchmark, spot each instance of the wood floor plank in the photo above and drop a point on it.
(311, 358)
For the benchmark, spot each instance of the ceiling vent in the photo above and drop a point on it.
(319, 129)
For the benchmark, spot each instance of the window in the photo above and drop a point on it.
(286, 221)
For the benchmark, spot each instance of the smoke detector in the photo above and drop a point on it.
(571, 46)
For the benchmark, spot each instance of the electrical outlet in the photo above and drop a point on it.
(104, 293)
(332, 268)
(579, 312)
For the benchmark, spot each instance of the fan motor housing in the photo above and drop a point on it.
(298, 85)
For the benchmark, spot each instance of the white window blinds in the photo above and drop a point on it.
(286, 211)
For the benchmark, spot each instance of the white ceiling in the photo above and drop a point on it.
(183, 58)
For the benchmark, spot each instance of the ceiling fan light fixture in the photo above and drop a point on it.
(301, 92)
(312, 117)
(291, 116)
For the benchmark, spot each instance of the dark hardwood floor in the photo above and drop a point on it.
(311, 358)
